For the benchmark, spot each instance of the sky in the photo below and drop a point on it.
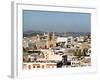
(56, 21)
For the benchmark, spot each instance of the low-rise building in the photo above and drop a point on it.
(35, 65)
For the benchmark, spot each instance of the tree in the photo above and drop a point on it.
(84, 52)
(78, 53)
(75, 53)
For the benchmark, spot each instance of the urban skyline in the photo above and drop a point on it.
(56, 39)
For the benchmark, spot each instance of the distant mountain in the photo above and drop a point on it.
(74, 34)
(32, 33)
(63, 34)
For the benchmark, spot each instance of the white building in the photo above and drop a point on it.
(80, 39)
(74, 61)
(70, 39)
(61, 39)
(65, 39)
(25, 42)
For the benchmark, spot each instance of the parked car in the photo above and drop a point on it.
(59, 53)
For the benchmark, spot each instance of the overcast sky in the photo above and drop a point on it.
(56, 21)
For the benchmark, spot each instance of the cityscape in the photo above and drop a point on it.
(62, 47)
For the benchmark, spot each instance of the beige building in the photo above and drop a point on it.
(48, 42)
(38, 65)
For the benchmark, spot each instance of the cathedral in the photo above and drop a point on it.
(47, 42)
